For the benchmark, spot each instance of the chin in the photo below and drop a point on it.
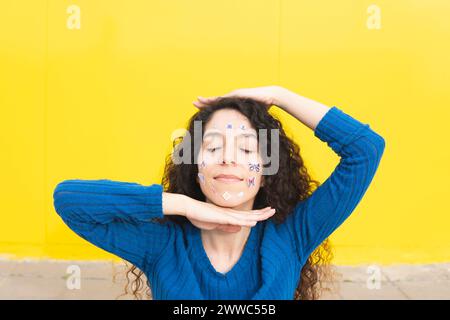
(227, 203)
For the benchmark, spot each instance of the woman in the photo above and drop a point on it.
(218, 227)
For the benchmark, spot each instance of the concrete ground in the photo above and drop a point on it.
(37, 279)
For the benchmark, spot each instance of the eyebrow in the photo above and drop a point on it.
(217, 133)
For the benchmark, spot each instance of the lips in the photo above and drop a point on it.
(228, 178)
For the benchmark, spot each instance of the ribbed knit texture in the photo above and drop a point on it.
(116, 216)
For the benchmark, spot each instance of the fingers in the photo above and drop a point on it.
(203, 102)
(259, 216)
(199, 104)
(250, 220)
(240, 222)
(226, 216)
(254, 215)
(206, 99)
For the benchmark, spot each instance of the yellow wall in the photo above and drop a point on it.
(101, 102)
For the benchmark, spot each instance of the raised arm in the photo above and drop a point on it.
(359, 147)
(360, 150)
(116, 216)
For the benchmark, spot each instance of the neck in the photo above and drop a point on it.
(228, 244)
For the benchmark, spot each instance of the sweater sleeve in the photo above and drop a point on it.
(115, 216)
(360, 150)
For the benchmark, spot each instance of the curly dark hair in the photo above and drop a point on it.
(281, 191)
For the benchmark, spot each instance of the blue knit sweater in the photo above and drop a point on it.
(115, 216)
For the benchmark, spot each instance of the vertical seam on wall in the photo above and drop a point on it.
(279, 43)
(45, 176)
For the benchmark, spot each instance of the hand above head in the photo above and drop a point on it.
(267, 95)
(306, 110)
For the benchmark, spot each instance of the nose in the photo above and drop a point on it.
(232, 162)
(229, 154)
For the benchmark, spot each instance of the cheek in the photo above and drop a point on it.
(203, 172)
(203, 162)
(204, 178)
(201, 178)
(254, 166)
(207, 157)
(253, 181)
(254, 175)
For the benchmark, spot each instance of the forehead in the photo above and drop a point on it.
(225, 119)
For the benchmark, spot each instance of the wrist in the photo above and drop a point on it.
(174, 203)
(283, 97)
(184, 202)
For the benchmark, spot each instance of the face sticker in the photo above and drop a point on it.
(240, 194)
(229, 126)
(251, 181)
(201, 177)
(242, 127)
(254, 167)
(202, 164)
(226, 195)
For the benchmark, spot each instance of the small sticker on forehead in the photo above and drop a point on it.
(201, 177)
(229, 126)
(251, 181)
(240, 194)
(226, 195)
(254, 166)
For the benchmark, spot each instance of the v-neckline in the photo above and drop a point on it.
(246, 252)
